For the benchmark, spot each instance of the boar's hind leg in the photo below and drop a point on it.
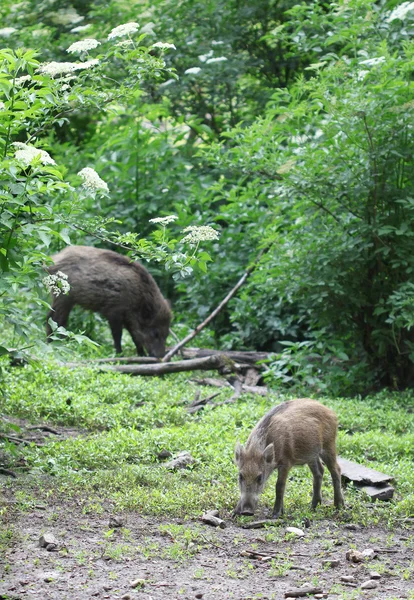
(116, 330)
(282, 474)
(61, 308)
(329, 458)
(317, 471)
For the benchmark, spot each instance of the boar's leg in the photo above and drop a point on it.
(282, 473)
(136, 337)
(329, 458)
(61, 308)
(317, 471)
(116, 330)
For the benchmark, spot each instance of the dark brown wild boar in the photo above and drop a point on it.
(119, 289)
(297, 432)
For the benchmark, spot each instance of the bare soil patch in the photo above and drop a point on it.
(97, 560)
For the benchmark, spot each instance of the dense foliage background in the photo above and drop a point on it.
(282, 125)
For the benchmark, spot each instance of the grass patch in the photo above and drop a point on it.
(125, 422)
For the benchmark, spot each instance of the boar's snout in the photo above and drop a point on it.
(154, 342)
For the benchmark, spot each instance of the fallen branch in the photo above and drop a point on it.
(216, 311)
(207, 363)
(243, 356)
(44, 428)
(4, 471)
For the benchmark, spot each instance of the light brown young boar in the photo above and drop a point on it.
(119, 289)
(297, 432)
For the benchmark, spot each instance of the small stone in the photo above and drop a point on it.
(331, 563)
(48, 579)
(355, 556)
(46, 539)
(107, 588)
(369, 585)
(199, 595)
(180, 461)
(348, 578)
(126, 597)
(319, 596)
(374, 575)
(115, 522)
(369, 553)
(164, 454)
(351, 527)
(295, 531)
(138, 583)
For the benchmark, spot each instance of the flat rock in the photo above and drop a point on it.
(302, 591)
(180, 461)
(295, 531)
(369, 553)
(361, 474)
(348, 578)
(383, 492)
(369, 585)
(333, 562)
(374, 575)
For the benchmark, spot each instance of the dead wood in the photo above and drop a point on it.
(198, 404)
(212, 382)
(44, 428)
(17, 440)
(207, 363)
(216, 311)
(243, 356)
(4, 471)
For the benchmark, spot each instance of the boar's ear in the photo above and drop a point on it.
(238, 453)
(269, 454)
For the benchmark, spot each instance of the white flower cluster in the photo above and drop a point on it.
(7, 31)
(83, 45)
(192, 71)
(56, 68)
(215, 60)
(92, 181)
(122, 30)
(22, 79)
(199, 234)
(124, 43)
(81, 28)
(66, 16)
(163, 45)
(27, 154)
(57, 284)
(373, 62)
(164, 220)
(400, 12)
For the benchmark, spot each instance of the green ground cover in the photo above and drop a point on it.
(123, 423)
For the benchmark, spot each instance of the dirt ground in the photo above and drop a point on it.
(95, 560)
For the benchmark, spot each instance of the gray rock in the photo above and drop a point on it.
(180, 461)
(369, 585)
(368, 553)
(354, 556)
(348, 578)
(47, 539)
(331, 563)
(115, 522)
(295, 531)
(374, 575)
